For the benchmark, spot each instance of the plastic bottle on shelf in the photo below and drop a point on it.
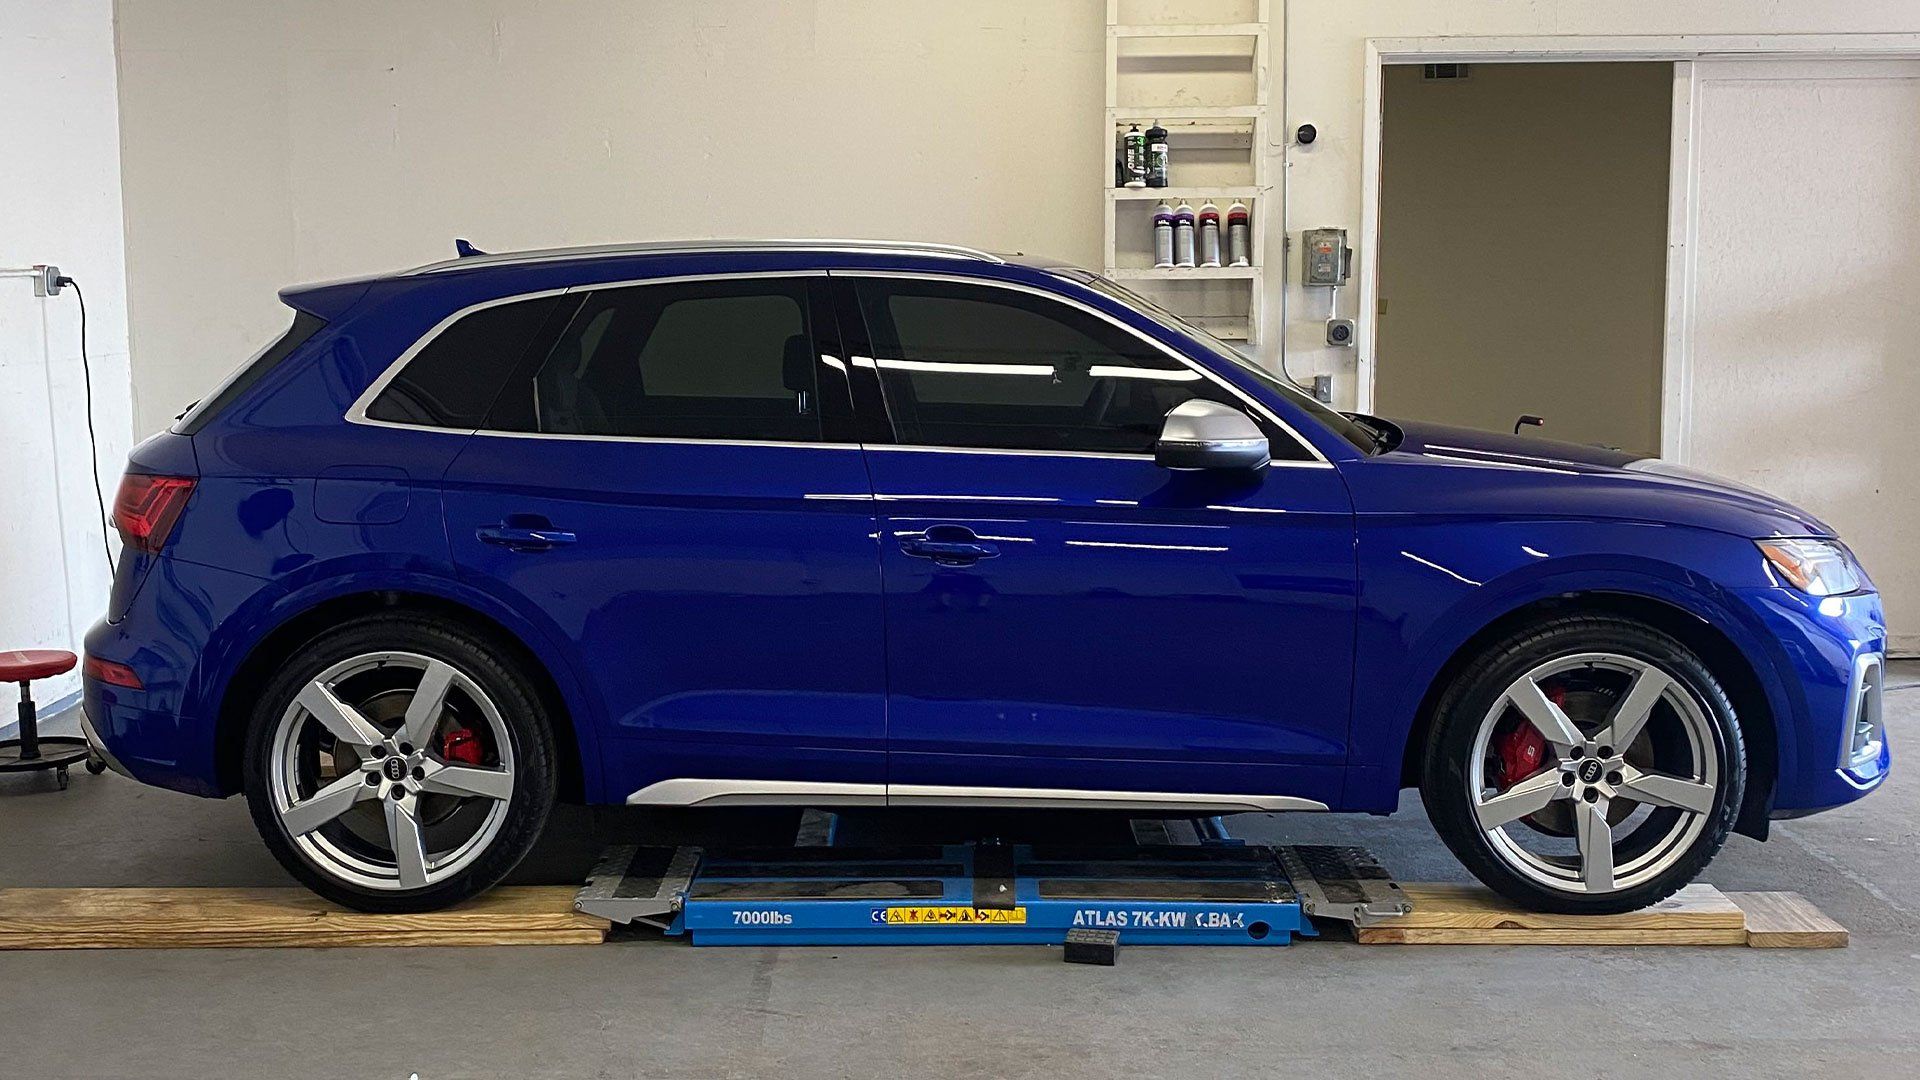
(1136, 152)
(1209, 234)
(1162, 236)
(1239, 235)
(1157, 161)
(1183, 235)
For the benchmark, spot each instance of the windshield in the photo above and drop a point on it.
(1361, 437)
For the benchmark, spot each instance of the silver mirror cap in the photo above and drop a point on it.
(1201, 434)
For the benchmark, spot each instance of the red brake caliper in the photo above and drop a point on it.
(461, 745)
(1523, 749)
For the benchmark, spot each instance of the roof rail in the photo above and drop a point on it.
(697, 247)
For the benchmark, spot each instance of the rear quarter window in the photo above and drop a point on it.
(452, 381)
(249, 374)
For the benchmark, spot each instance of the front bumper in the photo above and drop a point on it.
(1830, 659)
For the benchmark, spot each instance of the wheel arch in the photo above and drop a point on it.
(253, 671)
(1759, 722)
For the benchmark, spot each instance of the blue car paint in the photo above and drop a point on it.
(1294, 662)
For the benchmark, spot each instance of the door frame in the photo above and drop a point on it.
(1681, 50)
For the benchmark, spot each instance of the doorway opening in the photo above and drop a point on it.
(1523, 247)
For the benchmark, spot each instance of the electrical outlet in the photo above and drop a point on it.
(46, 280)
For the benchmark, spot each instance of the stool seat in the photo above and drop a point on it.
(25, 665)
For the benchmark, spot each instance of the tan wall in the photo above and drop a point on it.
(269, 141)
(1523, 248)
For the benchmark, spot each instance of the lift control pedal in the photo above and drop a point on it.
(1101, 947)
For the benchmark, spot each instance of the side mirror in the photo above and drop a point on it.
(1201, 434)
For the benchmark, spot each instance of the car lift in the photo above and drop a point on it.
(1216, 890)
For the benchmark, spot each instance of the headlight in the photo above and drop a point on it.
(1815, 567)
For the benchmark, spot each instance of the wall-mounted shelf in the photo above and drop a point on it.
(1183, 273)
(1153, 30)
(1191, 194)
(1230, 129)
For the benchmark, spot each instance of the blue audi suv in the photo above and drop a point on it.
(880, 524)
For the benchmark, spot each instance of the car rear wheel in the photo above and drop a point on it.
(1585, 765)
(399, 763)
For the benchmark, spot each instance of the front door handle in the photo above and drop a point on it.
(524, 533)
(948, 545)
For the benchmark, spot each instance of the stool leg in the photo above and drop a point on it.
(29, 726)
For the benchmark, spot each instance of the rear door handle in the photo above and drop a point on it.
(516, 536)
(949, 545)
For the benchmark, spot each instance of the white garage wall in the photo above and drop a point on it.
(59, 203)
(274, 142)
(1325, 52)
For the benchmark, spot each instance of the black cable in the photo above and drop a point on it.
(93, 440)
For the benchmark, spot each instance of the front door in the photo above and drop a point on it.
(671, 487)
(1065, 618)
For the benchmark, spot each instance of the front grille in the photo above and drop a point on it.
(1864, 730)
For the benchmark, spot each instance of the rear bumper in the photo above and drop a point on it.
(167, 635)
(99, 746)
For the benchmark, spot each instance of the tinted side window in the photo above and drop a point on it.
(250, 373)
(691, 360)
(455, 378)
(977, 366)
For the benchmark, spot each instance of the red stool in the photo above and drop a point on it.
(30, 752)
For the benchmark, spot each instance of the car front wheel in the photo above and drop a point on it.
(399, 763)
(1585, 765)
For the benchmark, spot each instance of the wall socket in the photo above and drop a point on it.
(1323, 389)
(46, 281)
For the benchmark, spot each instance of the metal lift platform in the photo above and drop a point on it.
(1215, 890)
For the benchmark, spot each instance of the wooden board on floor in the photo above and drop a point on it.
(1469, 915)
(1696, 915)
(1785, 920)
(280, 918)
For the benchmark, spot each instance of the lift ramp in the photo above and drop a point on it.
(1216, 891)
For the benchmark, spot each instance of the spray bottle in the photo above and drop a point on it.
(1162, 236)
(1239, 235)
(1183, 235)
(1209, 234)
(1157, 155)
(1136, 144)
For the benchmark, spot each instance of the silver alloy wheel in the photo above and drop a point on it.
(397, 764)
(1591, 773)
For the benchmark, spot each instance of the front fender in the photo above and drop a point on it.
(1426, 593)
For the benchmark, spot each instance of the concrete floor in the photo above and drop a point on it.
(652, 1008)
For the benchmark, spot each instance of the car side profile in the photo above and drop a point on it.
(864, 523)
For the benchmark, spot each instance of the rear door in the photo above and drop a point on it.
(1067, 622)
(670, 484)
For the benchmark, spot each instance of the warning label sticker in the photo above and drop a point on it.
(951, 914)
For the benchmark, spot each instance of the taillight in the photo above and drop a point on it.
(111, 673)
(146, 507)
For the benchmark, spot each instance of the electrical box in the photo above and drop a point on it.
(1326, 257)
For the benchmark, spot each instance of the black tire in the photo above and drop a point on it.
(494, 671)
(1480, 686)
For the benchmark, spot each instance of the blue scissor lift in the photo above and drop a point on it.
(1211, 890)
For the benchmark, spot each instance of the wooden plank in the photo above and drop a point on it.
(176, 918)
(102, 938)
(1391, 935)
(1787, 920)
(1468, 915)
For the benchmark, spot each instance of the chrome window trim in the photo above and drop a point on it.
(1319, 460)
(712, 247)
(357, 412)
(694, 791)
